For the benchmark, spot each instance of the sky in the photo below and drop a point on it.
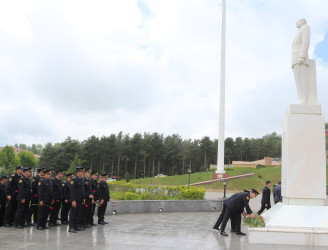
(81, 68)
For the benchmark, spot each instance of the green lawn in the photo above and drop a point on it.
(258, 181)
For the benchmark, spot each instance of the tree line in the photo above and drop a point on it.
(146, 155)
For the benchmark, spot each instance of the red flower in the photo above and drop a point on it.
(86, 205)
(113, 205)
(51, 208)
(58, 200)
(16, 191)
(35, 195)
(94, 191)
(100, 205)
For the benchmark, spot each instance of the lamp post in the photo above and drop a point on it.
(189, 172)
(225, 187)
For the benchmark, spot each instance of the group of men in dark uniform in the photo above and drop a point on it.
(41, 198)
(233, 208)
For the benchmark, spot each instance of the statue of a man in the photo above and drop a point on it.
(301, 62)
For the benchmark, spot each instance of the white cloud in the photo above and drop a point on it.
(78, 68)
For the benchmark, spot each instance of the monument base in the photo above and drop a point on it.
(303, 156)
(293, 225)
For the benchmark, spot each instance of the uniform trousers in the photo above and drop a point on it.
(33, 211)
(101, 211)
(64, 212)
(10, 211)
(87, 211)
(93, 208)
(54, 212)
(219, 220)
(21, 213)
(74, 216)
(2, 213)
(43, 213)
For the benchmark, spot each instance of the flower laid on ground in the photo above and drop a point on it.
(258, 221)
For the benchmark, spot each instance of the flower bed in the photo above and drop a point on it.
(258, 221)
(121, 190)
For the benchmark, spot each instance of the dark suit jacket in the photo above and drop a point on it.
(266, 195)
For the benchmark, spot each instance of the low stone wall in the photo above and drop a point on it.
(166, 206)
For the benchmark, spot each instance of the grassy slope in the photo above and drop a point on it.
(258, 181)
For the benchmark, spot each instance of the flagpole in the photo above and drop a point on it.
(220, 159)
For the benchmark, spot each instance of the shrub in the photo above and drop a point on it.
(127, 178)
(127, 191)
(131, 196)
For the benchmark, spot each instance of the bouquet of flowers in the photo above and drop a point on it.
(258, 221)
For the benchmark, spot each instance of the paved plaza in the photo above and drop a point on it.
(136, 231)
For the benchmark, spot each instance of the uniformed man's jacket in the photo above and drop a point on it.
(76, 190)
(87, 188)
(239, 202)
(266, 195)
(12, 186)
(104, 191)
(56, 189)
(35, 181)
(65, 190)
(3, 196)
(95, 189)
(45, 191)
(24, 189)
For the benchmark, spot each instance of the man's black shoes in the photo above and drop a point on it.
(40, 228)
(240, 233)
(72, 230)
(19, 227)
(223, 233)
(101, 223)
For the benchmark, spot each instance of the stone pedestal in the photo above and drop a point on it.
(303, 156)
(302, 217)
(293, 225)
(219, 176)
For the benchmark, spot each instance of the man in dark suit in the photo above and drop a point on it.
(33, 211)
(277, 193)
(265, 202)
(3, 198)
(234, 208)
(23, 198)
(57, 196)
(65, 202)
(45, 199)
(104, 198)
(219, 220)
(12, 191)
(76, 200)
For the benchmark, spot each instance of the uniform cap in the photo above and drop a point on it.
(69, 175)
(27, 169)
(39, 170)
(79, 169)
(87, 170)
(3, 177)
(59, 171)
(245, 190)
(104, 175)
(47, 171)
(254, 191)
(19, 167)
(95, 173)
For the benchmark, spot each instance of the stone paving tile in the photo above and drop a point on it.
(137, 231)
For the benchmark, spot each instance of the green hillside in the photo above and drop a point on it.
(258, 181)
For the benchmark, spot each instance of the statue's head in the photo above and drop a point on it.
(301, 22)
